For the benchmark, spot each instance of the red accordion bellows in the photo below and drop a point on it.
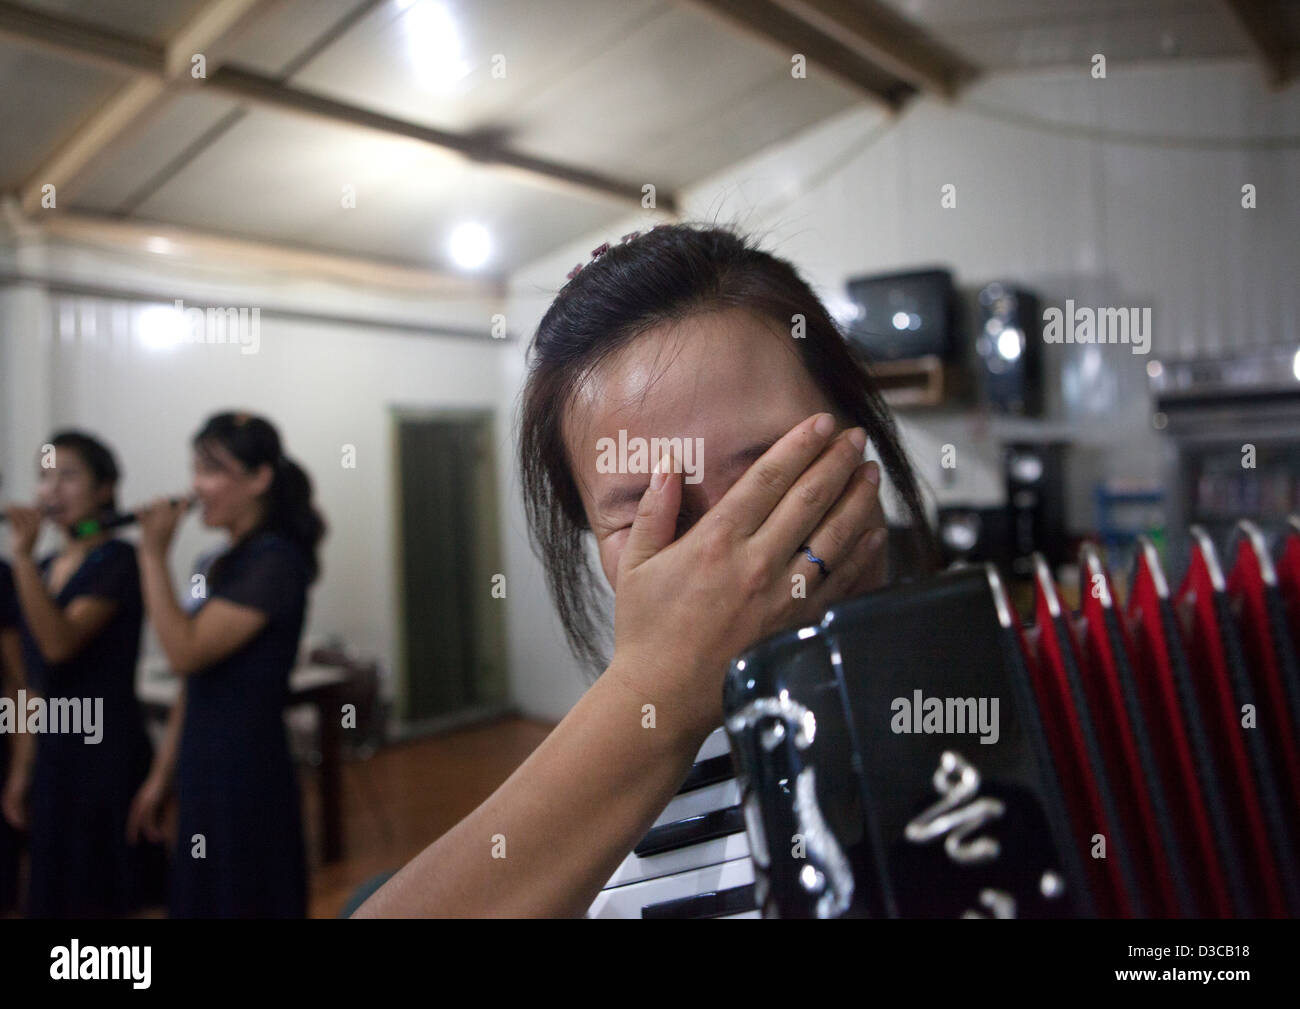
(1174, 724)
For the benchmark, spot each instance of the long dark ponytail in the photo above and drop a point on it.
(288, 508)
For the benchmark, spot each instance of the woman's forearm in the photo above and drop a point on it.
(164, 759)
(13, 674)
(172, 624)
(46, 621)
(547, 840)
(13, 678)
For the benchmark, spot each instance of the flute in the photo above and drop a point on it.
(94, 526)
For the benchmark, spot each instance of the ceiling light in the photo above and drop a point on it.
(433, 44)
(161, 327)
(470, 245)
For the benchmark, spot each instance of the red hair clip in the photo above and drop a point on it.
(599, 251)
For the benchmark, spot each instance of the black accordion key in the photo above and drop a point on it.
(892, 762)
(691, 830)
(707, 772)
(714, 904)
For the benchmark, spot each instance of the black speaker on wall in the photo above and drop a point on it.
(974, 535)
(1009, 347)
(1035, 482)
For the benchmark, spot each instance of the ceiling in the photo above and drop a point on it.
(406, 103)
(1041, 33)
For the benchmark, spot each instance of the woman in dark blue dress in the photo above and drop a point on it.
(239, 849)
(82, 617)
(13, 816)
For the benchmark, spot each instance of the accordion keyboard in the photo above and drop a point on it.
(694, 861)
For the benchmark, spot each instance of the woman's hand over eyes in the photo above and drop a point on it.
(684, 609)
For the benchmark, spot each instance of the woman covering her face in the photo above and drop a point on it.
(690, 334)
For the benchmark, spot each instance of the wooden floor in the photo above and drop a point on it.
(402, 799)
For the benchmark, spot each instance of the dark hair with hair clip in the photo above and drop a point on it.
(672, 272)
(287, 504)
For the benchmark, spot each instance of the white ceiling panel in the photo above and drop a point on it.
(612, 87)
(280, 177)
(42, 102)
(277, 32)
(1002, 35)
(431, 61)
(680, 76)
(133, 169)
(647, 91)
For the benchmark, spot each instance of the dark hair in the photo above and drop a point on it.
(288, 509)
(666, 275)
(97, 456)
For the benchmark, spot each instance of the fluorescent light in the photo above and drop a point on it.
(161, 327)
(470, 245)
(433, 44)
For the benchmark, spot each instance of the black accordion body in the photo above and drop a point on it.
(920, 753)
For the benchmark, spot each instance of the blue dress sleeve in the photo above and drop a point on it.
(113, 574)
(272, 578)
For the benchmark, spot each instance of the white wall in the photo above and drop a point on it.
(1108, 214)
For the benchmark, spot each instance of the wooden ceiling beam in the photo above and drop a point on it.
(81, 42)
(772, 24)
(184, 243)
(1267, 34)
(153, 63)
(242, 85)
(132, 104)
(889, 40)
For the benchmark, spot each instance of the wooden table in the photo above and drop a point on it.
(308, 684)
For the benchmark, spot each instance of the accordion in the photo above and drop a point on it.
(921, 753)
